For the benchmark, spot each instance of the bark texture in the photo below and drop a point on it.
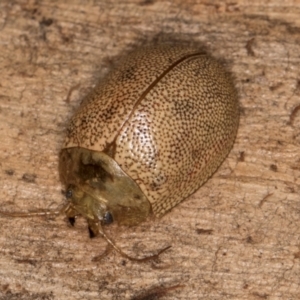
(238, 237)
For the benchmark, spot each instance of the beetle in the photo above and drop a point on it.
(148, 136)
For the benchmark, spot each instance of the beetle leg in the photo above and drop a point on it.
(71, 213)
(93, 228)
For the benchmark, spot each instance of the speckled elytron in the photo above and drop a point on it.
(149, 135)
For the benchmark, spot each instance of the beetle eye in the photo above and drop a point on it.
(69, 194)
(107, 219)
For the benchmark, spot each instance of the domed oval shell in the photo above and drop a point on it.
(168, 115)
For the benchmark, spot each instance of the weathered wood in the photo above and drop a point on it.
(236, 238)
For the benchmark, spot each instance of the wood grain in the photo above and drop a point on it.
(238, 237)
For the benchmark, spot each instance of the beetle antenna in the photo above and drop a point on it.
(42, 212)
(147, 258)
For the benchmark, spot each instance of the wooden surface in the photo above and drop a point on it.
(236, 238)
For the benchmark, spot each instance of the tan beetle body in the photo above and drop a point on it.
(149, 135)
